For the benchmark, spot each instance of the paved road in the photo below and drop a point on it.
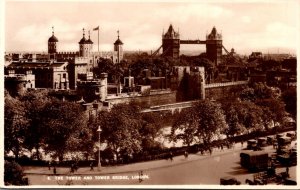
(196, 170)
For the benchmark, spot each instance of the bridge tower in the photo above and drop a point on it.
(171, 43)
(214, 47)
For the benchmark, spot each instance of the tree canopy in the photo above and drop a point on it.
(203, 123)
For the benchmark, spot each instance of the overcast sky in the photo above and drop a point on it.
(260, 26)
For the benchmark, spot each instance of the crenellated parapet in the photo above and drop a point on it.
(72, 53)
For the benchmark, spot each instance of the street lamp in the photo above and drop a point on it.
(99, 161)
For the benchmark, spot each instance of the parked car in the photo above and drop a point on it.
(251, 144)
(270, 140)
(291, 135)
(229, 181)
(255, 160)
(262, 142)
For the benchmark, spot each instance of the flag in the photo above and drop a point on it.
(97, 28)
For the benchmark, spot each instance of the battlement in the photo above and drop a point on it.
(224, 84)
(68, 53)
(89, 83)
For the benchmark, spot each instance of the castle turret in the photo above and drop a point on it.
(118, 50)
(85, 46)
(103, 86)
(214, 47)
(52, 45)
(171, 43)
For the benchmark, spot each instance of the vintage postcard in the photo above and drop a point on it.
(155, 94)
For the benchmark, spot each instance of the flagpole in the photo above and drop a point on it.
(98, 40)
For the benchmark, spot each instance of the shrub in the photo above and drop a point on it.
(13, 174)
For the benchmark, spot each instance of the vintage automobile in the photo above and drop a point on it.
(262, 142)
(254, 160)
(289, 158)
(291, 135)
(270, 140)
(284, 144)
(229, 181)
(251, 144)
(279, 136)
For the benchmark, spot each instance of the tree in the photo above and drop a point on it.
(260, 91)
(290, 99)
(120, 129)
(107, 66)
(251, 116)
(202, 123)
(210, 121)
(34, 103)
(273, 109)
(150, 129)
(234, 115)
(66, 129)
(184, 127)
(15, 124)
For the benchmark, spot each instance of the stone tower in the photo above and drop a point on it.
(171, 43)
(103, 86)
(85, 46)
(214, 47)
(52, 46)
(118, 49)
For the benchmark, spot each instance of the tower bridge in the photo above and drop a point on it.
(171, 45)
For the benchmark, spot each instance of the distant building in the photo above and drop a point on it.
(17, 84)
(290, 64)
(255, 55)
(276, 56)
(77, 69)
(52, 75)
(95, 89)
(189, 82)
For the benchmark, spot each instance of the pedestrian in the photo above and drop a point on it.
(54, 170)
(76, 167)
(171, 156)
(72, 168)
(287, 171)
(49, 165)
(242, 143)
(186, 154)
(92, 166)
(210, 151)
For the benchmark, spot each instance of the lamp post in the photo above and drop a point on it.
(99, 160)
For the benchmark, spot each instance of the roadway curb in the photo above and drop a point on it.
(174, 163)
